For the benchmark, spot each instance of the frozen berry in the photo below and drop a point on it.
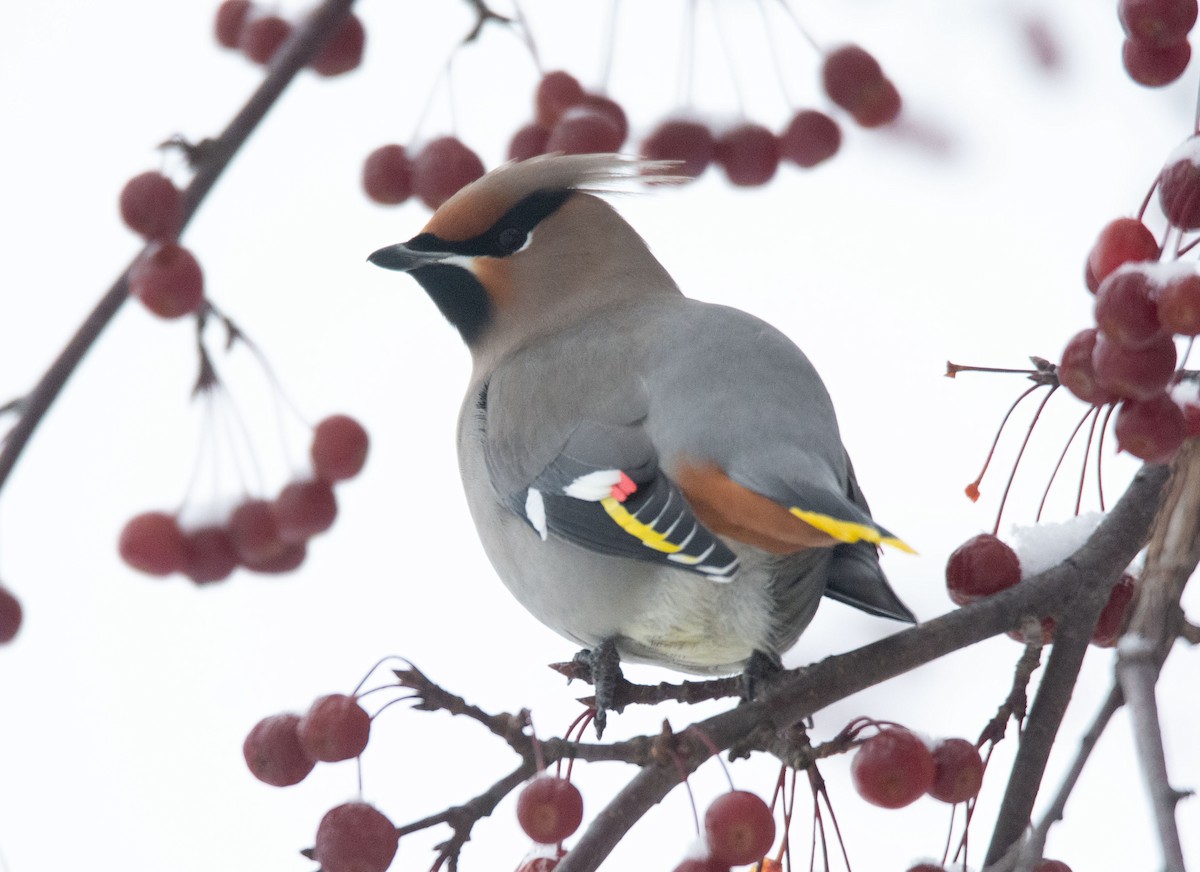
(689, 142)
(152, 543)
(958, 771)
(208, 555)
(981, 566)
(892, 768)
(344, 51)
(152, 206)
(168, 280)
(739, 828)
(749, 154)
(231, 18)
(611, 110)
(335, 728)
(1152, 66)
(1122, 241)
(355, 837)
(1157, 22)
(303, 509)
(339, 448)
(1151, 429)
(273, 753)
(811, 137)
(10, 615)
(441, 168)
(549, 809)
(1179, 304)
(1136, 375)
(1126, 310)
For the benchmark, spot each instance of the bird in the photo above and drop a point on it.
(658, 479)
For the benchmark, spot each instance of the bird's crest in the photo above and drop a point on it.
(480, 204)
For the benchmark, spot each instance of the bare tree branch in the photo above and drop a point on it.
(212, 158)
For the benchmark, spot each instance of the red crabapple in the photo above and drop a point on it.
(334, 728)
(262, 37)
(749, 154)
(230, 19)
(549, 809)
(441, 168)
(152, 543)
(557, 92)
(1075, 371)
(273, 752)
(880, 106)
(1179, 304)
(980, 567)
(1152, 66)
(847, 73)
(1157, 22)
(10, 615)
(1179, 185)
(529, 141)
(582, 130)
(958, 771)
(1112, 618)
(1051, 866)
(387, 175)
(286, 560)
(355, 837)
(892, 768)
(303, 509)
(254, 533)
(1151, 429)
(208, 555)
(152, 206)
(702, 864)
(739, 828)
(611, 110)
(810, 138)
(1122, 241)
(1126, 310)
(344, 50)
(339, 448)
(1136, 375)
(168, 280)
(680, 140)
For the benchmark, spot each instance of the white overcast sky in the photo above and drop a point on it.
(126, 698)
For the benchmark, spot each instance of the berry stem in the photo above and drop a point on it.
(1087, 447)
(1061, 457)
(768, 35)
(996, 441)
(610, 44)
(213, 159)
(1100, 455)
(1021, 453)
(808, 37)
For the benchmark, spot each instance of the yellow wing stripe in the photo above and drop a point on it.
(849, 531)
(648, 536)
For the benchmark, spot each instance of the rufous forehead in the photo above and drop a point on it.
(465, 217)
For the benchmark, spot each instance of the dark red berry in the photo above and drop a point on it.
(583, 130)
(1152, 66)
(335, 728)
(1075, 371)
(848, 73)
(611, 110)
(1122, 241)
(152, 206)
(167, 280)
(880, 105)
(1051, 866)
(262, 37)
(749, 154)
(1179, 186)
(387, 175)
(549, 809)
(739, 828)
(273, 753)
(529, 141)
(344, 51)
(339, 448)
(303, 509)
(355, 837)
(556, 93)
(153, 543)
(254, 533)
(1112, 619)
(11, 614)
(1157, 22)
(231, 17)
(1136, 375)
(286, 560)
(892, 768)
(702, 864)
(981, 566)
(1126, 311)
(958, 771)
(1179, 303)
(441, 168)
(1151, 429)
(689, 142)
(811, 137)
(208, 555)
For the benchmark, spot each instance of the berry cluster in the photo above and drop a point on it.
(985, 565)
(259, 535)
(258, 33)
(166, 278)
(895, 768)
(739, 828)
(282, 749)
(571, 120)
(1156, 49)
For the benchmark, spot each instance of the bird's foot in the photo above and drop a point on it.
(605, 665)
(760, 669)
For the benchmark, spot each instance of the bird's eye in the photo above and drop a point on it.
(511, 239)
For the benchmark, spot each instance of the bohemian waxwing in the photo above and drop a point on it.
(658, 479)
